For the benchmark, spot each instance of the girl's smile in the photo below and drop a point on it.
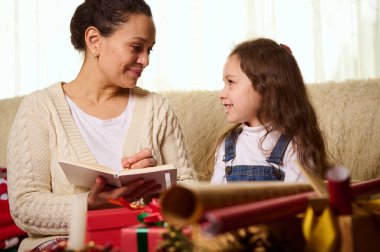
(227, 107)
(241, 102)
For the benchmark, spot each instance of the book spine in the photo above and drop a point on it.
(117, 179)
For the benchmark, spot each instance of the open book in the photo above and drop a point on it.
(85, 174)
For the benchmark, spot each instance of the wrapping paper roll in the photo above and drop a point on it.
(186, 205)
(338, 181)
(234, 217)
(230, 218)
(222, 208)
(339, 190)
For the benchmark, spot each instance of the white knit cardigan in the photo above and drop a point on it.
(44, 132)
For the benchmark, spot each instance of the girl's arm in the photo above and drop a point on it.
(292, 172)
(219, 175)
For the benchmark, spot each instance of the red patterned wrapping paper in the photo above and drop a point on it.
(140, 238)
(104, 226)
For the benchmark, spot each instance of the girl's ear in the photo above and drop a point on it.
(92, 39)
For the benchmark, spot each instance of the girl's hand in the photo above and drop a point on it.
(141, 159)
(100, 193)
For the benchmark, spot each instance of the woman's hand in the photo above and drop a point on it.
(141, 159)
(100, 193)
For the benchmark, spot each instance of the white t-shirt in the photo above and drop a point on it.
(248, 152)
(105, 138)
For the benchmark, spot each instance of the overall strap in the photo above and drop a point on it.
(230, 145)
(279, 150)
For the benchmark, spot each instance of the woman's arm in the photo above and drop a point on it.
(34, 207)
(173, 147)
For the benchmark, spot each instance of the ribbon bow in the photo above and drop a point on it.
(124, 203)
(152, 215)
(333, 228)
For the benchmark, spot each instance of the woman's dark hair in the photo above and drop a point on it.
(105, 15)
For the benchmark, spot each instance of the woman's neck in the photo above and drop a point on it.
(89, 85)
(96, 97)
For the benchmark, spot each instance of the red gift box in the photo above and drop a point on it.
(104, 226)
(141, 238)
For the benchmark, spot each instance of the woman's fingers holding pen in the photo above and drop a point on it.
(142, 159)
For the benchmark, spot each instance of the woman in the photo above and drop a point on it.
(99, 117)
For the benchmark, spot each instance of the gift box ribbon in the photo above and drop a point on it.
(321, 231)
(152, 215)
(142, 239)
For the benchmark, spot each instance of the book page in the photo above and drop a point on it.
(166, 175)
(96, 167)
(84, 175)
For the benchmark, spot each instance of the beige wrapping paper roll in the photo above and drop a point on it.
(184, 205)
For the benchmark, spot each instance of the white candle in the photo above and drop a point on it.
(77, 223)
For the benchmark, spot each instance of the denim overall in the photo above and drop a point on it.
(254, 172)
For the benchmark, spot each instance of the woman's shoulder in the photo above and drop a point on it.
(42, 97)
(55, 88)
(148, 96)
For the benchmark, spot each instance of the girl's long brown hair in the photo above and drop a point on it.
(285, 107)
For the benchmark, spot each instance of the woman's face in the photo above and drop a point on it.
(124, 55)
(240, 100)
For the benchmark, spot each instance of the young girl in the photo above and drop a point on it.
(275, 124)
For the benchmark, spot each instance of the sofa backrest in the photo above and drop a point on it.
(8, 109)
(348, 113)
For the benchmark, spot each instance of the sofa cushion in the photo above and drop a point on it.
(348, 113)
(349, 116)
(8, 109)
(202, 118)
(10, 234)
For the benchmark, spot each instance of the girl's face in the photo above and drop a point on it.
(240, 100)
(124, 55)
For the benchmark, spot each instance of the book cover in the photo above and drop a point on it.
(84, 175)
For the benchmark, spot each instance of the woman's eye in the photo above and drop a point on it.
(136, 48)
(150, 50)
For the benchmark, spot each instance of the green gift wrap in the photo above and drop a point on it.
(140, 238)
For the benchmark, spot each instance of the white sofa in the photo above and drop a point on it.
(348, 112)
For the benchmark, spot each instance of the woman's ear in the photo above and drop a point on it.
(92, 39)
